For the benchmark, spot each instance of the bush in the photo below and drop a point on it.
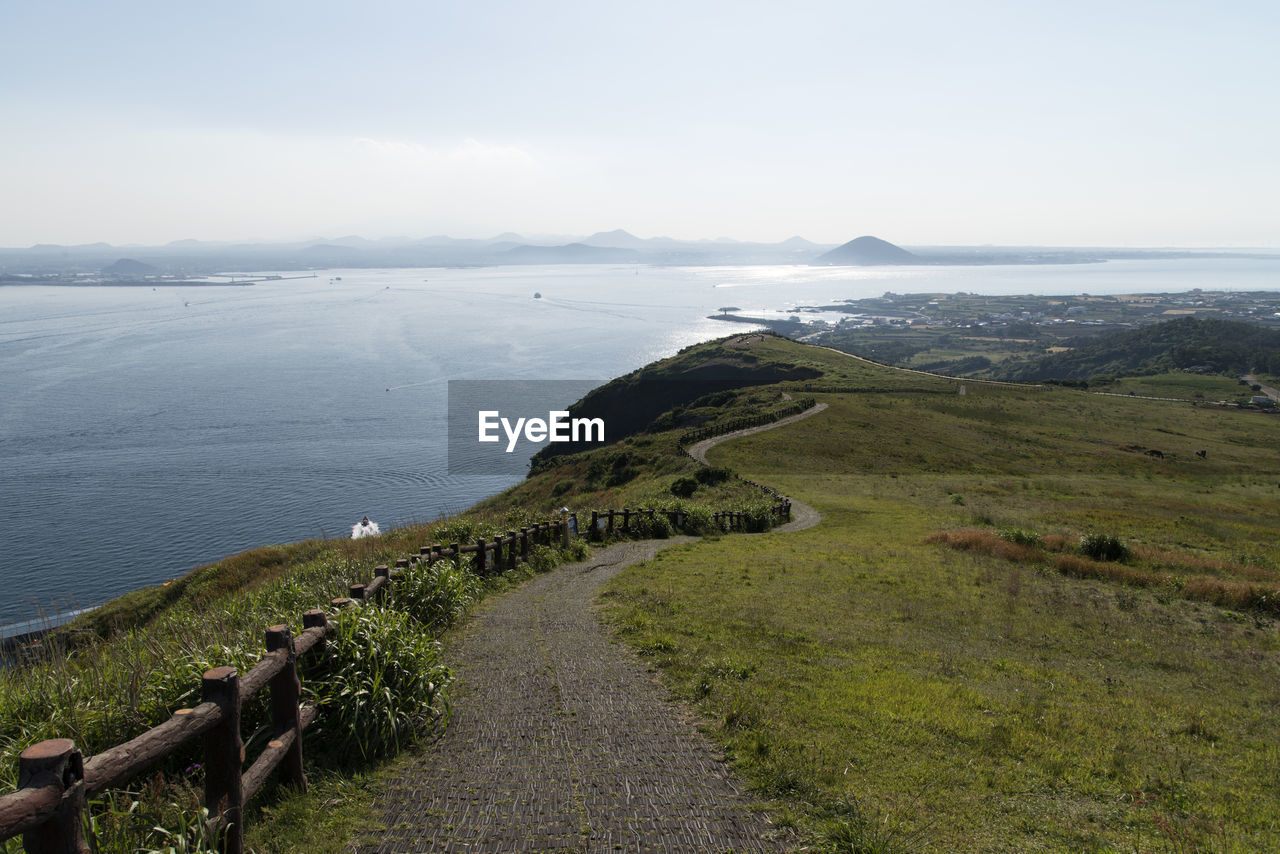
(683, 487)
(1104, 547)
(561, 488)
(712, 475)
(656, 528)
(1021, 537)
(435, 595)
(379, 686)
(698, 521)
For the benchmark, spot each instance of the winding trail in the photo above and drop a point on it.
(561, 741)
(802, 515)
(699, 450)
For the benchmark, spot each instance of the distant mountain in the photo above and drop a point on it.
(1222, 346)
(573, 253)
(618, 239)
(865, 252)
(129, 267)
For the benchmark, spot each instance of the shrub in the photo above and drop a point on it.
(683, 487)
(657, 527)
(984, 542)
(1021, 537)
(435, 595)
(712, 475)
(1104, 547)
(379, 686)
(561, 488)
(698, 520)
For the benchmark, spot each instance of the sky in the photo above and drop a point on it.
(925, 123)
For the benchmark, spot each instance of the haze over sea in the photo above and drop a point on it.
(148, 431)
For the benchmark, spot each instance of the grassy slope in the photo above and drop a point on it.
(987, 705)
(855, 669)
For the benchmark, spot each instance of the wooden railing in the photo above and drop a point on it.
(55, 780)
(744, 422)
(605, 523)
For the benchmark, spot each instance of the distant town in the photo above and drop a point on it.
(1022, 316)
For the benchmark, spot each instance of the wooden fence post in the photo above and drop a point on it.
(511, 550)
(480, 549)
(524, 544)
(626, 520)
(457, 554)
(285, 690)
(316, 619)
(223, 756)
(56, 762)
(595, 524)
(385, 574)
(356, 591)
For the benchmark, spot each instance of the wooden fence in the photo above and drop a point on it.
(744, 422)
(605, 523)
(55, 780)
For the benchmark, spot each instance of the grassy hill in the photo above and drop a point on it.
(1015, 629)
(952, 660)
(937, 666)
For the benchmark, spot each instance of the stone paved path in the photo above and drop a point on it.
(560, 741)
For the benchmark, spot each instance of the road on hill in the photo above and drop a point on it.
(802, 515)
(561, 740)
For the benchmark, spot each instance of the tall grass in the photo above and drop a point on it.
(379, 684)
(1163, 568)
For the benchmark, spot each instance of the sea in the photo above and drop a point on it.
(145, 431)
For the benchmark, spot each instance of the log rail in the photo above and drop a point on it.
(606, 523)
(55, 780)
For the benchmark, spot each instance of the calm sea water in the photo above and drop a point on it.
(145, 432)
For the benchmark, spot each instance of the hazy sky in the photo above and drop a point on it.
(1119, 123)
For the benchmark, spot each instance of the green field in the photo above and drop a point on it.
(934, 667)
(1208, 387)
(871, 684)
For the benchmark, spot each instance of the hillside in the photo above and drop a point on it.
(129, 267)
(1209, 345)
(942, 644)
(865, 252)
(630, 403)
(1022, 606)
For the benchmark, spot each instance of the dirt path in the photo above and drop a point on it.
(560, 740)
(802, 515)
(699, 451)
(1270, 392)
